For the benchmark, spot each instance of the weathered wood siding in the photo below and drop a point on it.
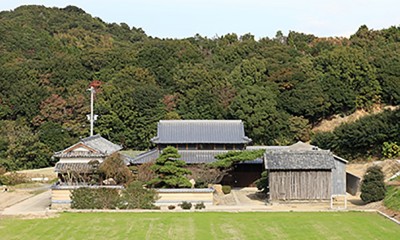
(339, 177)
(300, 184)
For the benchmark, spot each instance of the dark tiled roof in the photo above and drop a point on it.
(298, 159)
(79, 154)
(63, 167)
(201, 131)
(189, 156)
(145, 157)
(200, 156)
(101, 144)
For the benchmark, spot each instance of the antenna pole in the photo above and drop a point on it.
(91, 109)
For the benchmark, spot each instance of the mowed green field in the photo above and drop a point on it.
(202, 225)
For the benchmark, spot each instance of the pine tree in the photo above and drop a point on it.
(170, 171)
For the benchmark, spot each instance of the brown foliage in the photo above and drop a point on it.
(115, 168)
(204, 174)
(170, 102)
(144, 172)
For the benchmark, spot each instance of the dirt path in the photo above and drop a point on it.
(36, 205)
(10, 198)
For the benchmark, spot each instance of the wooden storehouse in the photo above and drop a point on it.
(304, 172)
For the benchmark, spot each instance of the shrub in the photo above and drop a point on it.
(373, 186)
(13, 179)
(262, 183)
(205, 174)
(144, 172)
(199, 206)
(186, 205)
(390, 149)
(2, 170)
(95, 198)
(226, 189)
(171, 207)
(135, 196)
(114, 167)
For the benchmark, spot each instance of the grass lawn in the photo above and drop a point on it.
(392, 198)
(202, 225)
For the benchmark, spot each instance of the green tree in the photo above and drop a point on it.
(373, 187)
(257, 107)
(170, 171)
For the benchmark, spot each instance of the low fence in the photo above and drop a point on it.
(61, 195)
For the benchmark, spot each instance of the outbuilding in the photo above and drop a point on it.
(304, 172)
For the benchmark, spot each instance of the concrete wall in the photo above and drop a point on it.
(339, 177)
(171, 197)
(60, 199)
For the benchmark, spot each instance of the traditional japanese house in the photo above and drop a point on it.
(199, 141)
(83, 157)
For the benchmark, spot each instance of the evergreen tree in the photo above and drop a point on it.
(170, 171)
(373, 186)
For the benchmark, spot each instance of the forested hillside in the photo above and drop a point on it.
(279, 87)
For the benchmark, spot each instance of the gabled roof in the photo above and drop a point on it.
(201, 131)
(298, 159)
(101, 144)
(189, 156)
(96, 146)
(145, 157)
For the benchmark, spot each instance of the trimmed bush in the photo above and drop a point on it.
(373, 186)
(199, 206)
(95, 198)
(171, 207)
(135, 196)
(186, 205)
(226, 189)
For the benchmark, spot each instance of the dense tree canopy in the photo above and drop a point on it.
(280, 87)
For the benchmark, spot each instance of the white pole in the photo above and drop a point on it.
(91, 110)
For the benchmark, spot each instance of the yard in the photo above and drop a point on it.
(203, 225)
